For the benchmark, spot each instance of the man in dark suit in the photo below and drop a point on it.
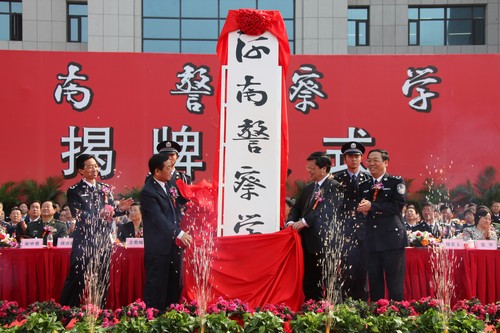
(162, 257)
(382, 202)
(91, 202)
(172, 149)
(312, 215)
(495, 212)
(353, 229)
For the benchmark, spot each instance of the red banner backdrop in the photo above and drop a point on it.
(437, 115)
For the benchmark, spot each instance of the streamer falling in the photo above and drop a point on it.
(333, 261)
(202, 261)
(96, 251)
(201, 220)
(443, 264)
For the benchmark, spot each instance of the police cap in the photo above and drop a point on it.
(168, 147)
(353, 148)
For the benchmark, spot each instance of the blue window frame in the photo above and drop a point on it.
(449, 25)
(358, 24)
(11, 20)
(78, 22)
(194, 26)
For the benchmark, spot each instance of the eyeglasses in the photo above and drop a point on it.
(374, 160)
(91, 166)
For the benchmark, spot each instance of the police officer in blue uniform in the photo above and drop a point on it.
(353, 275)
(382, 202)
(90, 202)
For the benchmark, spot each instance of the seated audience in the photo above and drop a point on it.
(33, 216)
(2, 213)
(428, 222)
(448, 228)
(15, 218)
(468, 219)
(47, 224)
(69, 219)
(133, 228)
(495, 212)
(482, 229)
(411, 219)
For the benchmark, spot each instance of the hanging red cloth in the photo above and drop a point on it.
(256, 22)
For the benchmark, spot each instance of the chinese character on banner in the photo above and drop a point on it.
(305, 87)
(191, 143)
(194, 82)
(258, 97)
(78, 96)
(247, 181)
(96, 141)
(419, 79)
(248, 222)
(253, 132)
(354, 134)
(253, 51)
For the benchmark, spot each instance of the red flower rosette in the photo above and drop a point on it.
(253, 22)
(376, 188)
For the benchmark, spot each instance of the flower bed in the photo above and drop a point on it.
(423, 315)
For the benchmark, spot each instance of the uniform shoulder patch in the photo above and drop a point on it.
(401, 188)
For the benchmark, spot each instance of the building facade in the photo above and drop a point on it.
(193, 26)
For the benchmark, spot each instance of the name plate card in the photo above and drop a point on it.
(486, 244)
(134, 242)
(65, 243)
(31, 243)
(454, 244)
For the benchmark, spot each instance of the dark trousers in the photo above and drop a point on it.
(97, 286)
(313, 272)
(163, 279)
(392, 264)
(354, 275)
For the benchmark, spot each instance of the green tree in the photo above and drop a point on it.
(9, 195)
(134, 193)
(483, 192)
(433, 191)
(48, 190)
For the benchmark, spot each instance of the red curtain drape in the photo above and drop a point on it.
(258, 269)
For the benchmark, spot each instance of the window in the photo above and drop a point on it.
(357, 26)
(177, 26)
(451, 25)
(11, 20)
(77, 22)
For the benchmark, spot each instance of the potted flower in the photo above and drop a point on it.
(219, 322)
(262, 322)
(174, 321)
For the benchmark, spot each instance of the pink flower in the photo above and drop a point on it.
(405, 304)
(150, 314)
(492, 309)
(382, 302)
(382, 310)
